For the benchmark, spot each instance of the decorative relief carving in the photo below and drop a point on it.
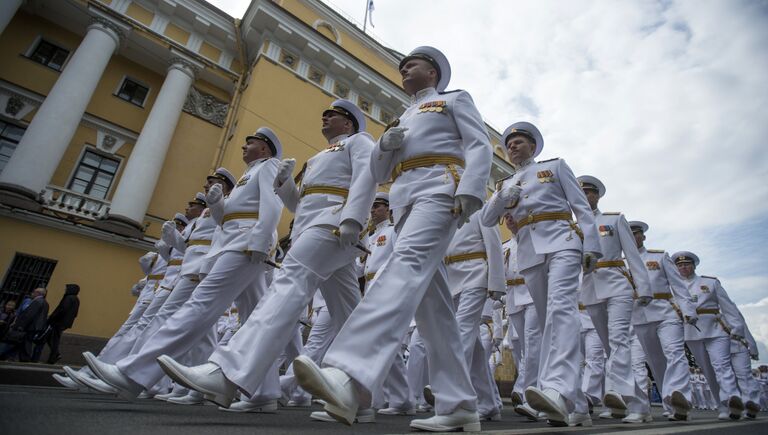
(109, 25)
(206, 107)
(180, 62)
(14, 105)
(108, 142)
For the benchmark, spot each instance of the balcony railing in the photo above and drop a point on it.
(77, 204)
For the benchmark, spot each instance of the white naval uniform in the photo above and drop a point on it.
(320, 337)
(710, 344)
(607, 293)
(121, 343)
(412, 284)
(470, 281)
(523, 317)
(417, 367)
(315, 260)
(659, 328)
(149, 264)
(549, 257)
(489, 330)
(593, 378)
(196, 246)
(395, 390)
(138, 336)
(232, 273)
(742, 364)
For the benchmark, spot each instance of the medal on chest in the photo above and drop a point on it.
(381, 240)
(545, 176)
(704, 289)
(606, 230)
(694, 298)
(332, 148)
(434, 106)
(652, 265)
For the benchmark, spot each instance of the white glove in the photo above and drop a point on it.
(510, 193)
(136, 289)
(160, 245)
(392, 139)
(349, 233)
(465, 206)
(169, 227)
(643, 301)
(496, 296)
(284, 171)
(214, 195)
(258, 257)
(589, 262)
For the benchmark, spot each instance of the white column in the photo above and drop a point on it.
(41, 148)
(8, 9)
(137, 183)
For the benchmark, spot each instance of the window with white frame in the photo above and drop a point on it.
(10, 135)
(49, 54)
(94, 174)
(133, 92)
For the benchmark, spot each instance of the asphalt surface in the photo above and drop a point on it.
(47, 410)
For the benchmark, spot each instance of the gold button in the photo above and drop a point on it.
(525, 196)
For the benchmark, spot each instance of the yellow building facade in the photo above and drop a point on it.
(112, 113)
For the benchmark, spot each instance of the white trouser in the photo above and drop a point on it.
(417, 368)
(594, 366)
(320, 337)
(171, 303)
(314, 261)
(292, 349)
(526, 323)
(698, 396)
(640, 371)
(395, 391)
(486, 340)
(611, 318)
(469, 309)
(664, 345)
(554, 286)
(516, 346)
(410, 285)
(232, 274)
(742, 369)
(713, 356)
(112, 351)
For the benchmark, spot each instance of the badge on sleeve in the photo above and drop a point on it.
(546, 176)
(606, 230)
(652, 265)
(244, 179)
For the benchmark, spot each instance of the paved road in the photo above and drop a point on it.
(47, 410)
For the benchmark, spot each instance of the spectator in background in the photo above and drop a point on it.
(7, 317)
(31, 321)
(62, 318)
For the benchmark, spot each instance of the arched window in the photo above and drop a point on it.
(327, 30)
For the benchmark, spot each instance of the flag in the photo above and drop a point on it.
(370, 12)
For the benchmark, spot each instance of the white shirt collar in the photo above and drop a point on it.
(523, 164)
(423, 94)
(338, 138)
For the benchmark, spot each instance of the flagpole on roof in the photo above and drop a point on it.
(365, 20)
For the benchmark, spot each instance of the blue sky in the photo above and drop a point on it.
(665, 101)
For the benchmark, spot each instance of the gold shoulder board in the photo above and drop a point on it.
(550, 160)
